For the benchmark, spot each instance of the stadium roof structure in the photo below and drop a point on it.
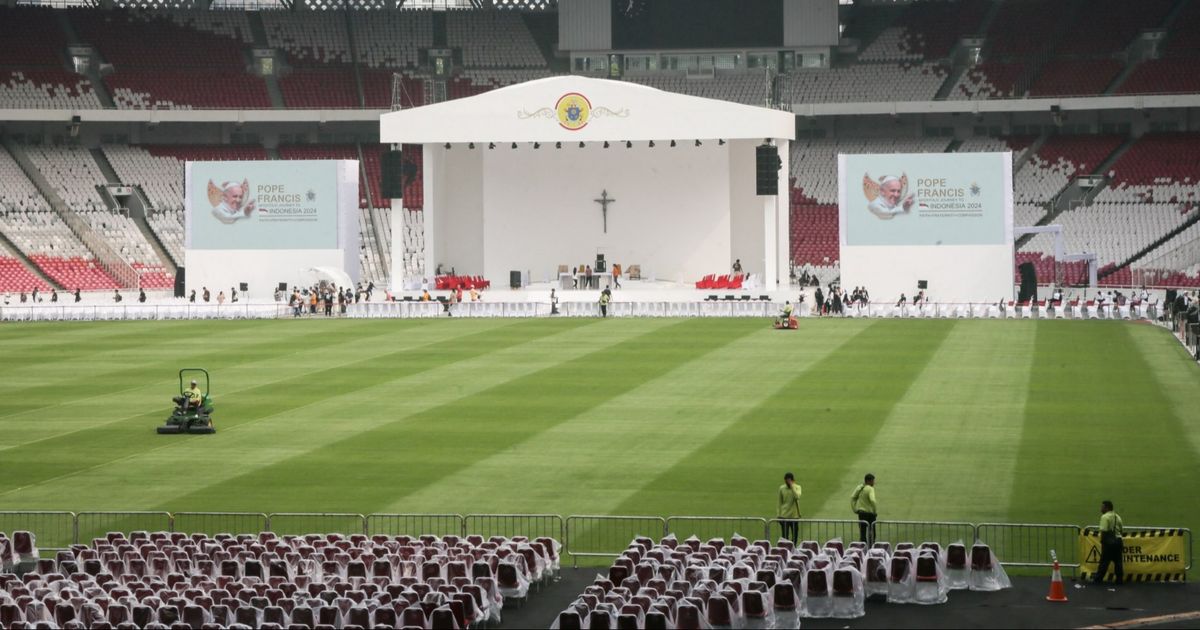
(580, 109)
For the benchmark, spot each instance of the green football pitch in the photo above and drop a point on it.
(978, 421)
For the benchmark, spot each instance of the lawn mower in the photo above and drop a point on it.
(191, 415)
(791, 324)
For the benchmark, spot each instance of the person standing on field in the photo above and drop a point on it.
(1112, 548)
(789, 507)
(862, 502)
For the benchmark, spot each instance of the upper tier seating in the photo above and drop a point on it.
(1183, 38)
(1027, 27)
(31, 38)
(187, 89)
(308, 39)
(73, 174)
(1075, 77)
(46, 88)
(391, 39)
(990, 80)
(750, 88)
(153, 40)
(927, 30)
(328, 579)
(377, 90)
(1110, 25)
(325, 89)
(864, 82)
(1167, 75)
(493, 39)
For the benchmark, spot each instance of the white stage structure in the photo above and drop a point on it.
(510, 179)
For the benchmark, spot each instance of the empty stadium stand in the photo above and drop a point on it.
(46, 88)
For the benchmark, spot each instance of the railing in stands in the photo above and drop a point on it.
(582, 536)
(110, 260)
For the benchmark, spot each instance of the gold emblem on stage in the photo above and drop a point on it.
(574, 110)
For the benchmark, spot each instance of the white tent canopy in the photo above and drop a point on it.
(680, 212)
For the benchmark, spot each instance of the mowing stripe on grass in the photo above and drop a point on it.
(403, 456)
(1110, 429)
(960, 422)
(1178, 376)
(430, 378)
(80, 408)
(657, 423)
(24, 467)
(36, 345)
(155, 359)
(807, 427)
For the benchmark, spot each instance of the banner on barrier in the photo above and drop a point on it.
(1152, 555)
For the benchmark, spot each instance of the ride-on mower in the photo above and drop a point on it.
(191, 414)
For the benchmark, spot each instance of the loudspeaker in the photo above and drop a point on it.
(599, 263)
(514, 279)
(179, 282)
(391, 179)
(1028, 282)
(922, 284)
(767, 165)
(282, 286)
(243, 287)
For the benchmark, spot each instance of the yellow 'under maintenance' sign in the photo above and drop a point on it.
(1151, 555)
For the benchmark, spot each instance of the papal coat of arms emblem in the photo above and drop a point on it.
(574, 110)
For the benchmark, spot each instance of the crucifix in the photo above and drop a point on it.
(604, 201)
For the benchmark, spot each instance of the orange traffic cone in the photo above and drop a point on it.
(1057, 593)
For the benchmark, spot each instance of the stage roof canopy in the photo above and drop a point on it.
(580, 109)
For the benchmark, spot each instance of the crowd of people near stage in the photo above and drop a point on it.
(835, 300)
(325, 298)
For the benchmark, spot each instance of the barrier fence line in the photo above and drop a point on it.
(582, 536)
(89, 525)
(57, 527)
(600, 536)
(917, 532)
(416, 524)
(1029, 545)
(706, 527)
(430, 310)
(820, 530)
(531, 526)
(220, 522)
(301, 523)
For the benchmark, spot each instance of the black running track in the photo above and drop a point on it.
(1023, 606)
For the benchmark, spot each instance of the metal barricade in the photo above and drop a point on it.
(598, 536)
(1029, 545)
(509, 525)
(415, 524)
(706, 527)
(89, 525)
(300, 523)
(918, 532)
(52, 531)
(219, 522)
(820, 530)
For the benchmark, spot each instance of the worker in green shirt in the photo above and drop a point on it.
(605, 298)
(789, 507)
(193, 396)
(862, 502)
(1111, 545)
